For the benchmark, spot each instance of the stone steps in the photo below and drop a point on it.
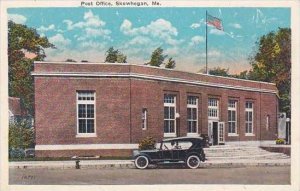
(241, 152)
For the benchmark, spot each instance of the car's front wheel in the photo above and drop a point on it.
(193, 161)
(141, 162)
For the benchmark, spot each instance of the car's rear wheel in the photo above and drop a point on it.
(141, 162)
(193, 161)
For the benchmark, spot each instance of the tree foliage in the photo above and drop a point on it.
(272, 63)
(23, 40)
(218, 71)
(115, 56)
(157, 57)
(21, 136)
(171, 64)
(70, 60)
(147, 143)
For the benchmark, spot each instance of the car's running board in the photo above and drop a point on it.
(171, 162)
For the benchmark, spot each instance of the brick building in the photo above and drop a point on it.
(106, 109)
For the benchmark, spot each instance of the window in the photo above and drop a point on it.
(85, 113)
(192, 114)
(213, 108)
(232, 116)
(169, 115)
(144, 119)
(249, 117)
(268, 122)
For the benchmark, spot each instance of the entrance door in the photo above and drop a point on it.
(213, 132)
(216, 132)
(221, 134)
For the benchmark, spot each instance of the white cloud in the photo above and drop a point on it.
(126, 27)
(235, 25)
(195, 25)
(158, 29)
(91, 27)
(92, 44)
(90, 20)
(90, 54)
(44, 29)
(173, 51)
(96, 32)
(155, 28)
(139, 40)
(17, 18)
(196, 40)
(59, 41)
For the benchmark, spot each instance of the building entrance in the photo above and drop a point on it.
(216, 132)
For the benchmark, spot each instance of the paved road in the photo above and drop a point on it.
(245, 175)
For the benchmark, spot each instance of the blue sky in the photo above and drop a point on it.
(86, 33)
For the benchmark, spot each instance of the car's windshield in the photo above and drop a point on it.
(157, 145)
(178, 144)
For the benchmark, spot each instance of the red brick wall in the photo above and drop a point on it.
(149, 94)
(118, 121)
(55, 108)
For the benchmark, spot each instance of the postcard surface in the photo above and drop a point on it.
(150, 95)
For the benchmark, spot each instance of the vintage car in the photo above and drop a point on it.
(188, 150)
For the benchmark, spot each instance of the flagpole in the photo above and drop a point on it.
(206, 44)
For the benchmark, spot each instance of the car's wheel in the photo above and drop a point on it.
(141, 162)
(193, 161)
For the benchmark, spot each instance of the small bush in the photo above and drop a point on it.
(16, 153)
(279, 141)
(147, 143)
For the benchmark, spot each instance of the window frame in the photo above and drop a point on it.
(169, 105)
(85, 102)
(268, 122)
(214, 107)
(144, 118)
(247, 111)
(192, 106)
(235, 110)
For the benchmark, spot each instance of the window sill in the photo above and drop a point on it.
(233, 135)
(192, 135)
(169, 134)
(249, 134)
(86, 135)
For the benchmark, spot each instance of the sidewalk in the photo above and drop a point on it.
(99, 164)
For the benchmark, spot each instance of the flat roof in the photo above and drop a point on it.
(142, 65)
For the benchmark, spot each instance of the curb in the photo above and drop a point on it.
(131, 165)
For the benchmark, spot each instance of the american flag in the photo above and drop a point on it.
(214, 21)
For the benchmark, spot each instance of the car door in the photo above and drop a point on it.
(166, 151)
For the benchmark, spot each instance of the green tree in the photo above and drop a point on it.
(157, 57)
(242, 75)
(21, 136)
(272, 63)
(218, 71)
(70, 60)
(113, 56)
(171, 64)
(23, 40)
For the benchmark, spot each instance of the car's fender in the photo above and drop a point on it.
(143, 154)
(193, 153)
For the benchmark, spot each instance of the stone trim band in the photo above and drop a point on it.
(85, 147)
(148, 77)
